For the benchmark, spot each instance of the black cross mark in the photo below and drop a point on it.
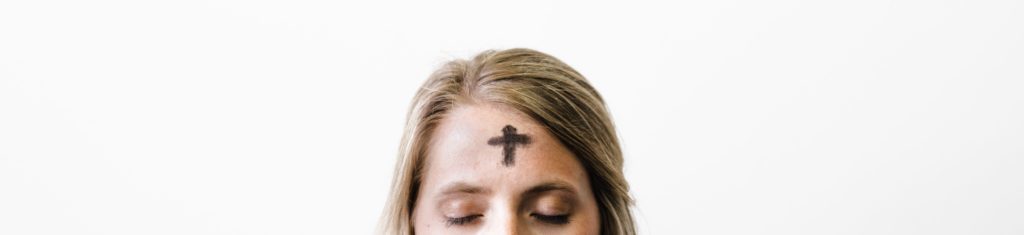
(510, 140)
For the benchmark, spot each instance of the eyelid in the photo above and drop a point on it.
(460, 206)
(554, 203)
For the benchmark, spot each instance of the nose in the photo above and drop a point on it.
(508, 224)
(510, 227)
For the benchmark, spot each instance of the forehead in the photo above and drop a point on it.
(459, 150)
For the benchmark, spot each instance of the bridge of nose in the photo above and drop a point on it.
(506, 221)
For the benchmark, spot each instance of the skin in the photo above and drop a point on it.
(467, 190)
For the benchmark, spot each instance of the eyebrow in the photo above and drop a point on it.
(463, 187)
(551, 186)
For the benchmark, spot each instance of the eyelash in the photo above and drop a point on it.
(461, 220)
(551, 219)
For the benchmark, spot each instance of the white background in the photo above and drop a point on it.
(737, 117)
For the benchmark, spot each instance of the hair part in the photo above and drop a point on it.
(536, 84)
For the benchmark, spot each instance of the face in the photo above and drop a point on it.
(493, 170)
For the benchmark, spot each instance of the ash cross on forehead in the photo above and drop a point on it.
(510, 140)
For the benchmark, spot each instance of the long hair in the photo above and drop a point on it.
(536, 84)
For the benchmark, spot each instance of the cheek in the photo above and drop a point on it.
(414, 219)
(422, 225)
(590, 219)
(420, 220)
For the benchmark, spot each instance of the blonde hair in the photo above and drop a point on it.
(538, 85)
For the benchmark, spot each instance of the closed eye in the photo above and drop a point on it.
(461, 220)
(551, 219)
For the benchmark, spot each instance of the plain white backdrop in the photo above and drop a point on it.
(736, 116)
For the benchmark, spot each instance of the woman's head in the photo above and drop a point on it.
(513, 141)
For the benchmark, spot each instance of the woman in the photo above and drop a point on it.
(511, 142)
